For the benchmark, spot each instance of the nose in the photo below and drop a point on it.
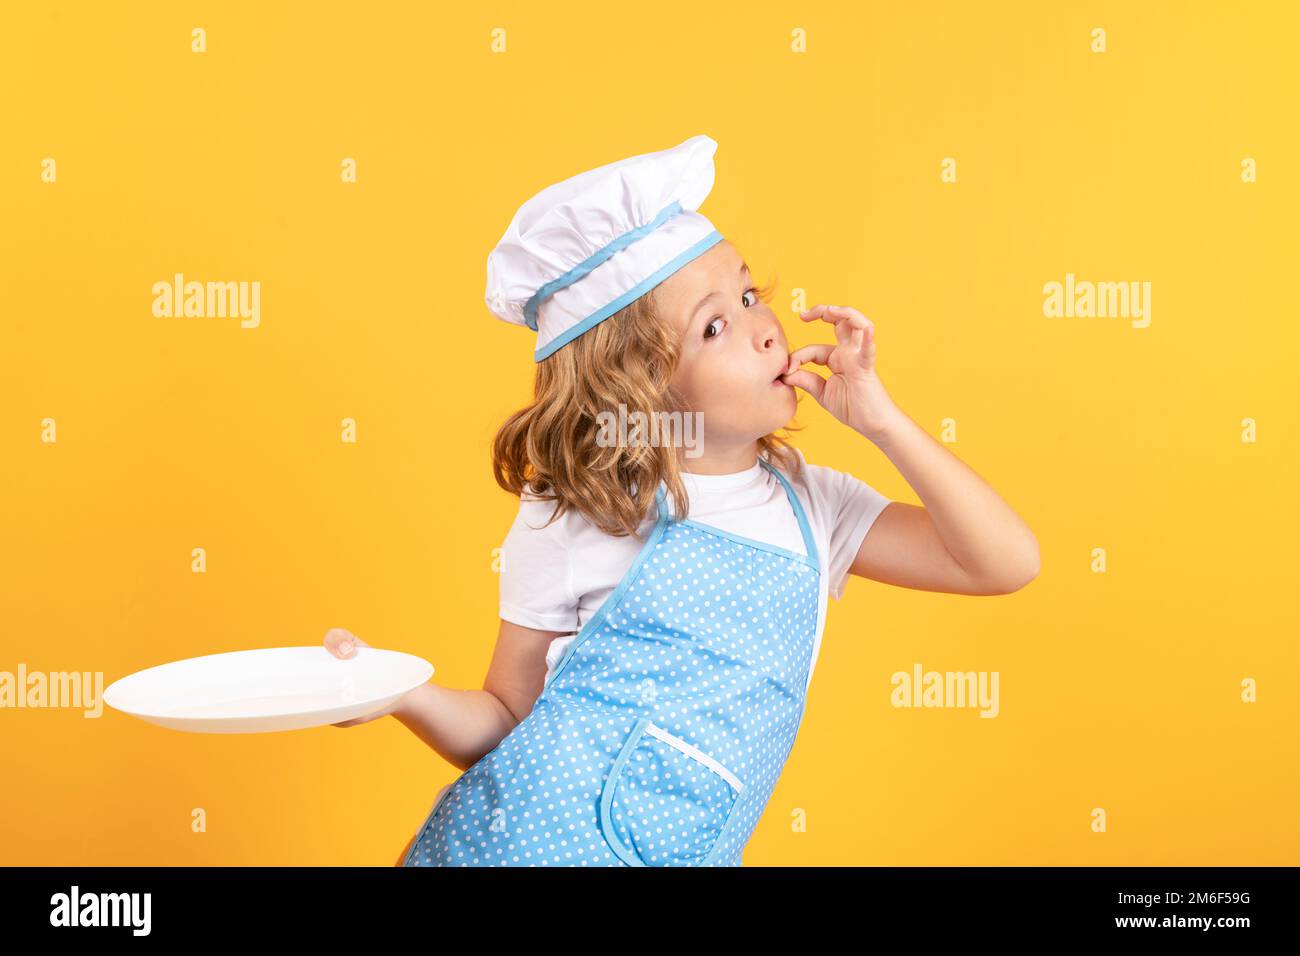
(768, 336)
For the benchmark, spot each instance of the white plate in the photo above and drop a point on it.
(274, 688)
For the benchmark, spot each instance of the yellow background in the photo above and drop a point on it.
(1118, 690)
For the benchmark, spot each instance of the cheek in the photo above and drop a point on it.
(735, 398)
(723, 384)
(704, 384)
(685, 382)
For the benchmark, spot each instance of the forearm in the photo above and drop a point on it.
(980, 530)
(461, 725)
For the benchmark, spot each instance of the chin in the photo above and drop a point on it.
(786, 402)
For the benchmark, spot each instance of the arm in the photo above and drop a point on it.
(463, 725)
(965, 540)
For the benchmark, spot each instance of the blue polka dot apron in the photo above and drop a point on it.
(659, 737)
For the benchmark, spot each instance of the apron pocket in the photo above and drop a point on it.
(665, 802)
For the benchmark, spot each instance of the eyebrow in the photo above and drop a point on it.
(744, 268)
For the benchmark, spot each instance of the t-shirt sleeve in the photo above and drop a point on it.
(536, 578)
(849, 507)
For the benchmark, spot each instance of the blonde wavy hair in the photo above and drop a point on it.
(549, 448)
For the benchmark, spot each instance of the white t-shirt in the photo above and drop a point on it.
(555, 578)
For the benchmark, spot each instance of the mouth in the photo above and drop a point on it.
(777, 382)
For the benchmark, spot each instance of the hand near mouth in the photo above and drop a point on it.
(853, 393)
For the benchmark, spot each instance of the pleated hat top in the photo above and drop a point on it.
(584, 248)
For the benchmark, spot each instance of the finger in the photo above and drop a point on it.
(816, 312)
(833, 314)
(868, 354)
(847, 311)
(334, 637)
(364, 718)
(847, 323)
(808, 381)
(342, 643)
(843, 318)
(856, 337)
(819, 352)
(339, 643)
(864, 330)
(864, 347)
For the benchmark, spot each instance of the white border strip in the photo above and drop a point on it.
(656, 731)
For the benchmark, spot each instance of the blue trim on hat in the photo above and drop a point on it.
(596, 258)
(640, 289)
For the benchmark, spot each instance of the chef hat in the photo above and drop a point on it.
(584, 248)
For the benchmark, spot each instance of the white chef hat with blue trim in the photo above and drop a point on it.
(584, 248)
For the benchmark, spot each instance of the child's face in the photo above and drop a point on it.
(733, 349)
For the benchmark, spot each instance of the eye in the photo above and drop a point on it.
(718, 318)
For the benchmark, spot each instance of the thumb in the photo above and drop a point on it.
(348, 646)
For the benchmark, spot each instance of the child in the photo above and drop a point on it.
(675, 595)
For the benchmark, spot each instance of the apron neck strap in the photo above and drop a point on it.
(809, 544)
